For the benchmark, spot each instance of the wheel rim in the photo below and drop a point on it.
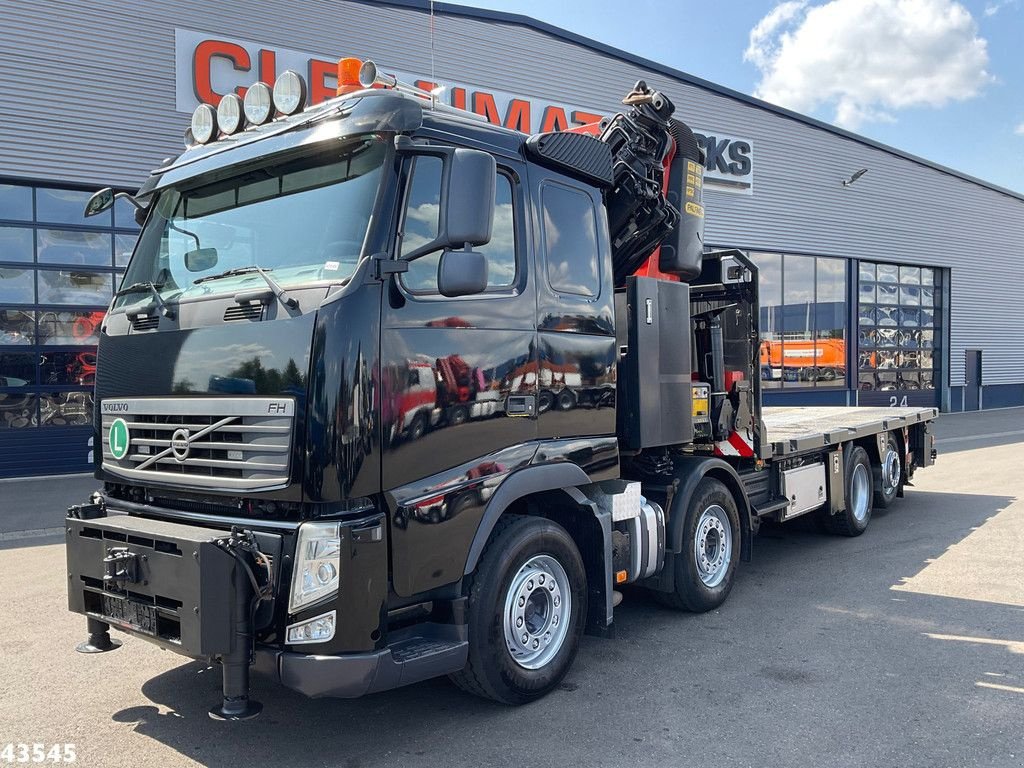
(538, 608)
(712, 546)
(891, 470)
(860, 493)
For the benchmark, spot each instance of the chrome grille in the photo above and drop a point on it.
(230, 443)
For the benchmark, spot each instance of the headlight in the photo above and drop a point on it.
(229, 114)
(204, 123)
(259, 103)
(289, 92)
(317, 564)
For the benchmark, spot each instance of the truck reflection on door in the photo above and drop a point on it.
(972, 380)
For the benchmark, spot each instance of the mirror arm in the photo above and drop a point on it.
(384, 265)
(131, 199)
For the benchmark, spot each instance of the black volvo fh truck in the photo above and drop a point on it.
(389, 393)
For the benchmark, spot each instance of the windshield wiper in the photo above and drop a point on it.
(153, 288)
(276, 289)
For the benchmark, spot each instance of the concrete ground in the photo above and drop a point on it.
(902, 647)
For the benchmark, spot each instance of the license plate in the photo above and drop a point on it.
(126, 613)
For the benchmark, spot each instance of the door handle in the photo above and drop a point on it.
(521, 405)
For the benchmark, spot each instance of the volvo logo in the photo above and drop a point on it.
(180, 444)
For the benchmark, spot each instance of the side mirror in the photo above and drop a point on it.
(469, 200)
(462, 273)
(99, 202)
(201, 259)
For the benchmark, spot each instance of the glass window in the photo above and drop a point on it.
(570, 241)
(78, 368)
(58, 409)
(16, 244)
(81, 327)
(501, 250)
(830, 322)
(17, 326)
(66, 206)
(57, 246)
(769, 270)
(17, 410)
(15, 202)
(123, 247)
(71, 286)
(16, 286)
(887, 273)
(17, 369)
(124, 214)
(423, 206)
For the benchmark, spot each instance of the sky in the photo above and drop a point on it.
(941, 79)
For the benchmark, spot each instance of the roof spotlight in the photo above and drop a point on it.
(229, 114)
(204, 123)
(259, 103)
(289, 92)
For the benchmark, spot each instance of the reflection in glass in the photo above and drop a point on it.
(910, 295)
(570, 240)
(867, 293)
(927, 380)
(927, 338)
(423, 206)
(74, 287)
(77, 368)
(58, 246)
(887, 381)
(866, 272)
(888, 294)
(79, 327)
(866, 314)
(888, 273)
(769, 266)
(17, 326)
(909, 339)
(17, 369)
(927, 276)
(867, 337)
(927, 317)
(909, 380)
(67, 206)
(867, 381)
(16, 244)
(910, 275)
(17, 411)
(58, 409)
(123, 247)
(886, 337)
(886, 360)
(928, 297)
(16, 286)
(124, 214)
(887, 316)
(910, 317)
(15, 202)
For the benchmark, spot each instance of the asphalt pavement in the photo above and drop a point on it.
(903, 647)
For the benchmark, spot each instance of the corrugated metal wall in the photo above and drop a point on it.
(88, 94)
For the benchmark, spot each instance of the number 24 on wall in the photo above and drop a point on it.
(894, 401)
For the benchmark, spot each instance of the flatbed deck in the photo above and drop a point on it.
(799, 429)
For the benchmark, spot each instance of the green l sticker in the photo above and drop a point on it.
(119, 438)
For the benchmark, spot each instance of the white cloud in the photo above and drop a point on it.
(1019, 130)
(992, 8)
(868, 58)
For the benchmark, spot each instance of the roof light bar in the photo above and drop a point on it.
(204, 124)
(229, 114)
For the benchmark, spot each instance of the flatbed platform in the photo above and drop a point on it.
(799, 429)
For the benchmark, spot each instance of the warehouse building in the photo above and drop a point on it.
(899, 288)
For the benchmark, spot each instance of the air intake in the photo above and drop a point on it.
(249, 311)
(145, 322)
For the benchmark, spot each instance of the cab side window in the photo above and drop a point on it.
(570, 241)
(421, 222)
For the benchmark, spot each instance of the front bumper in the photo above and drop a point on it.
(348, 676)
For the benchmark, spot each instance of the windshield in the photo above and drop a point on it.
(303, 221)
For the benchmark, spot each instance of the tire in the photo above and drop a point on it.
(888, 475)
(706, 566)
(506, 590)
(459, 415)
(544, 401)
(857, 493)
(417, 428)
(565, 401)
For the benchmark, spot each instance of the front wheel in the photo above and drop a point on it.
(706, 566)
(527, 608)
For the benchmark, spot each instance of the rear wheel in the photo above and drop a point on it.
(527, 607)
(888, 474)
(706, 566)
(853, 520)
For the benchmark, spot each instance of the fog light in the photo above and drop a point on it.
(259, 103)
(319, 629)
(289, 92)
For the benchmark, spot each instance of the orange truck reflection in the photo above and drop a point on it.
(803, 360)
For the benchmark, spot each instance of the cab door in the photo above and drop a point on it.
(458, 381)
